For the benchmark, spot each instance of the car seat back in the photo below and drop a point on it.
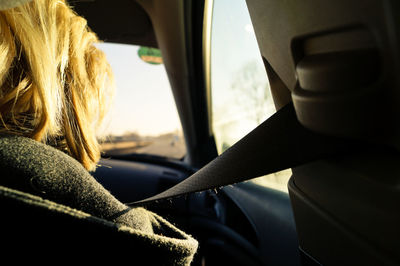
(339, 61)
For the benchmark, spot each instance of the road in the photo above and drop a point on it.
(159, 146)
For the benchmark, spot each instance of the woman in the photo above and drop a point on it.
(54, 88)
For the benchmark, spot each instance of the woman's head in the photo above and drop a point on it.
(54, 82)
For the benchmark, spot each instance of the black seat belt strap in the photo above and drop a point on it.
(279, 143)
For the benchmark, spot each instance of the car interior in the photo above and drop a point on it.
(335, 64)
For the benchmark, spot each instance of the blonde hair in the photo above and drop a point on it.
(54, 82)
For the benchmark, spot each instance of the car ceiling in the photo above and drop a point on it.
(124, 21)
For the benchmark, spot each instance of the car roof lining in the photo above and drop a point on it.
(126, 22)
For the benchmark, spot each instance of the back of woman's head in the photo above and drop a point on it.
(54, 82)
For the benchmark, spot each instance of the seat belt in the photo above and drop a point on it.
(279, 143)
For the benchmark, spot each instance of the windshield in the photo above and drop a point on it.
(143, 118)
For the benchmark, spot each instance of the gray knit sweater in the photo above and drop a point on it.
(39, 169)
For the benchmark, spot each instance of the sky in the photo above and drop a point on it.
(233, 42)
(143, 100)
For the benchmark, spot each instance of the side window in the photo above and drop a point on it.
(143, 119)
(240, 92)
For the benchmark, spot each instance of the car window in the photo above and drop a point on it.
(240, 93)
(143, 118)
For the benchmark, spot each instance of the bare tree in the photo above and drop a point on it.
(252, 89)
